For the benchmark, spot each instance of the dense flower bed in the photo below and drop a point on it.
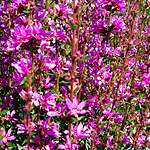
(74, 74)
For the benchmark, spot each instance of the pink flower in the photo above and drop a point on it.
(117, 23)
(6, 137)
(23, 65)
(79, 132)
(53, 113)
(75, 108)
(61, 110)
(67, 145)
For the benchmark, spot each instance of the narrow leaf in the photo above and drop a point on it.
(24, 80)
(72, 26)
(85, 58)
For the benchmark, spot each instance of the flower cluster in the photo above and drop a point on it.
(74, 74)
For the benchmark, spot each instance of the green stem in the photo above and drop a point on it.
(116, 93)
(10, 70)
(132, 80)
(57, 84)
(95, 132)
(54, 9)
(28, 9)
(39, 129)
(73, 62)
(9, 25)
(108, 33)
(81, 79)
(33, 74)
(47, 3)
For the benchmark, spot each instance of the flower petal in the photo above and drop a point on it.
(9, 132)
(82, 105)
(11, 138)
(75, 102)
(82, 112)
(53, 113)
(69, 103)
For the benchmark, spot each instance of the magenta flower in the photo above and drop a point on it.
(21, 128)
(9, 116)
(61, 110)
(99, 26)
(116, 3)
(49, 129)
(53, 113)
(37, 98)
(6, 137)
(79, 132)
(117, 23)
(67, 145)
(51, 144)
(20, 34)
(63, 9)
(75, 108)
(23, 65)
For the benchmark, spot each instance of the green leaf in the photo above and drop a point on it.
(62, 46)
(81, 118)
(53, 91)
(103, 124)
(85, 58)
(147, 11)
(134, 130)
(26, 12)
(38, 46)
(146, 104)
(130, 47)
(84, 7)
(24, 80)
(1, 132)
(25, 141)
(75, 119)
(64, 82)
(105, 60)
(89, 84)
(122, 14)
(109, 105)
(51, 37)
(79, 23)
(134, 15)
(19, 147)
(122, 101)
(68, 50)
(3, 112)
(88, 78)
(135, 99)
(101, 132)
(72, 26)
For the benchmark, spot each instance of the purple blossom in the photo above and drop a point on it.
(60, 112)
(99, 26)
(39, 14)
(75, 108)
(116, 3)
(23, 65)
(117, 23)
(79, 132)
(9, 116)
(40, 35)
(67, 145)
(49, 129)
(23, 128)
(6, 136)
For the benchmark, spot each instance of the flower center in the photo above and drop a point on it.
(74, 111)
(5, 139)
